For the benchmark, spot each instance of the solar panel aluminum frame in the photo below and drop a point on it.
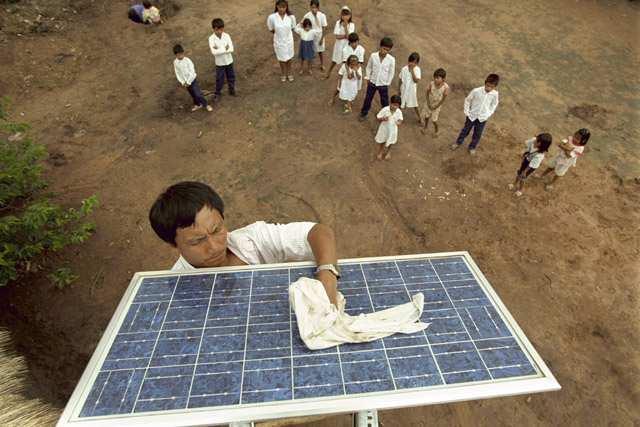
(329, 405)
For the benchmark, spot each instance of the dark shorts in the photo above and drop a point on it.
(524, 170)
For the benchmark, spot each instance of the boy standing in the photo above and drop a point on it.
(222, 49)
(186, 75)
(478, 107)
(379, 75)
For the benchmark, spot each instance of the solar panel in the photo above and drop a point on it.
(222, 345)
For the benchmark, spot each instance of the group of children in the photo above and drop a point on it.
(349, 55)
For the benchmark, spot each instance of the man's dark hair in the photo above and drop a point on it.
(178, 49)
(217, 23)
(395, 99)
(146, 4)
(440, 72)
(414, 57)
(315, 3)
(353, 37)
(178, 205)
(493, 79)
(386, 42)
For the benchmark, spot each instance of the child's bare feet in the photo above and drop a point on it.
(332, 101)
(387, 156)
(518, 193)
(423, 130)
(379, 156)
(301, 71)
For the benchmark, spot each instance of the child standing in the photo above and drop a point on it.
(437, 92)
(344, 26)
(281, 24)
(353, 48)
(570, 149)
(319, 23)
(186, 75)
(350, 82)
(531, 160)
(222, 49)
(307, 44)
(409, 77)
(479, 105)
(379, 75)
(390, 117)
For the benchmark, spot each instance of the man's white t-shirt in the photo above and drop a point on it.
(265, 243)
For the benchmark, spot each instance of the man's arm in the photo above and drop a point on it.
(323, 244)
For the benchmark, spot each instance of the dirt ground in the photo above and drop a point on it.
(100, 92)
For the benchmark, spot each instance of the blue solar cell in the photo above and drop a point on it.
(227, 339)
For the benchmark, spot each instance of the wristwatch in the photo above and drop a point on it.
(333, 268)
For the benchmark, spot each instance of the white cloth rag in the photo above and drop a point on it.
(324, 325)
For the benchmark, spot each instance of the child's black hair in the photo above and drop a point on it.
(414, 57)
(315, 3)
(284, 2)
(353, 37)
(440, 72)
(306, 23)
(544, 141)
(386, 42)
(217, 23)
(146, 4)
(395, 99)
(344, 11)
(351, 58)
(492, 79)
(178, 206)
(584, 135)
(178, 49)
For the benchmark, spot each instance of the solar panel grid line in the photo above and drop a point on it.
(364, 277)
(293, 389)
(204, 327)
(135, 403)
(424, 332)
(463, 324)
(244, 357)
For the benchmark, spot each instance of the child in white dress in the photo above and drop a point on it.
(342, 29)
(281, 23)
(350, 82)
(410, 75)
(390, 117)
(319, 23)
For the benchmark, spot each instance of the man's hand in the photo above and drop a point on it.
(226, 47)
(330, 283)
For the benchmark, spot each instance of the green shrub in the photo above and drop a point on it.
(32, 227)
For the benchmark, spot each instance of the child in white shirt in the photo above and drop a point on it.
(350, 82)
(353, 48)
(570, 149)
(319, 23)
(479, 105)
(409, 77)
(531, 160)
(390, 117)
(307, 44)
(379, 75)
(186, 75)
(222, 50)
(150, 14)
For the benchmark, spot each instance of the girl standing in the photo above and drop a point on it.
(319, 22)
(390, 117)
(570, 149)
(531, 160)
(410, 75)
(307, 44)
(281, 23)
(343, 28)
(350, 81)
